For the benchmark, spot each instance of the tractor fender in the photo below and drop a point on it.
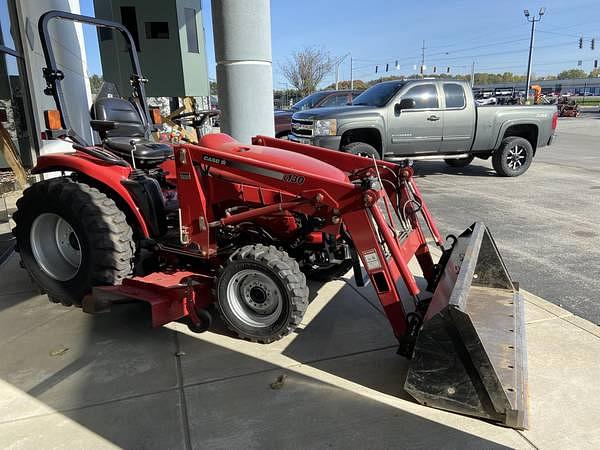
(108, 175)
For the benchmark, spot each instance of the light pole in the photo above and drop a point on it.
(337, 63)
(533, 20)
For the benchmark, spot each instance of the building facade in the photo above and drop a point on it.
(169, 39)
(22, 98)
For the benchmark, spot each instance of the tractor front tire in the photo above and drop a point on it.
(72, 237)
(261, 293)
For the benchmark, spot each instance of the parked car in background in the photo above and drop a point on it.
(486, 101)
(321, 99)
(426, 119)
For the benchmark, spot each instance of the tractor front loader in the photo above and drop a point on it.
(187, 227)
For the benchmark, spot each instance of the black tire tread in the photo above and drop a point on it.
(289, 274)
(498, 157)
(104, 221)
(353, 147)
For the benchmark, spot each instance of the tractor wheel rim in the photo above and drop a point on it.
(254, 298)
(516, 157)
(55, 246)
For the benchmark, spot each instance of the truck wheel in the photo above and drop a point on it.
(261, 293)
(72, 237)
(513, 158)
(361, 149)
(459, 162)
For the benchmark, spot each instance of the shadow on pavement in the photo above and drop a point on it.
(426, 168)
(7, 244)
(139, 387)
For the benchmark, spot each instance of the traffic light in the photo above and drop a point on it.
(595, 64)
(593, 44)
(397, 65)
(434, 69)
(447, 69)
(387, 67)
(376, 69)
(580, 42)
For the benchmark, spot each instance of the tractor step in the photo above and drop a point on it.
(470, 355)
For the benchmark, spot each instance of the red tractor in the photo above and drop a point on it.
(186, 227)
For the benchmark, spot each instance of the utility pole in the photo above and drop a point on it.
(337, 68)
(472, 74)
(533, 20)
(351, 75)
(423, 59)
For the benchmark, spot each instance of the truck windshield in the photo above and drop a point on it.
(379, 94)
(309, 102)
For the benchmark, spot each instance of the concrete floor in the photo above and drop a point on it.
(71, 380)
(545, 222)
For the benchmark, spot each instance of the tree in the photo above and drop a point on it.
(572, 73)
(213, 87)
(358, 85)
(595, 73)
(95, 83)
(306, 69)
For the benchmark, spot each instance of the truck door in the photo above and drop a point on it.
(459, 119)
(417, 129)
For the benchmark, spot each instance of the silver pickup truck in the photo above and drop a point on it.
(430, 119)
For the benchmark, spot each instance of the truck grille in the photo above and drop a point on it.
(302, 128)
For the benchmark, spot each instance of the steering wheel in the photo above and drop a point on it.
(194, 119)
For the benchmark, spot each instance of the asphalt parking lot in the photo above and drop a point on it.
(546, 222)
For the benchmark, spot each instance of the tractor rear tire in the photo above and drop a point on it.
(72, 237)
(261, 293)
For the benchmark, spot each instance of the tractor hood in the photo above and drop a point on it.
(290, 162)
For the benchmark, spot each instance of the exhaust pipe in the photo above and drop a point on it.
(470, 355)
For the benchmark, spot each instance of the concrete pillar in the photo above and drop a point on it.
(242, 35)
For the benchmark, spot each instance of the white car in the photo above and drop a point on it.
(486, 101)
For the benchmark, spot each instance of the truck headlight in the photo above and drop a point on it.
(326, 127)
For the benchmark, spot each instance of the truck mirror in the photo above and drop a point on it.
(405, 103)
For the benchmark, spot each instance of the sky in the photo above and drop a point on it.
(492, 34)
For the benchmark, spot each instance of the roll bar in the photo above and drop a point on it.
(53, 75)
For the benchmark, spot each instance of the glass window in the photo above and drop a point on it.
(191, 30)
(157, 30)
(309, 102)
(13, 123)
(337, 100)
(454, 95)
(129, 19)
(379, 94)
(424, 95)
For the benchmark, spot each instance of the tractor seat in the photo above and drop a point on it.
(129, 127)
(146, 153)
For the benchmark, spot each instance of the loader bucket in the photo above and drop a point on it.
(470, 354)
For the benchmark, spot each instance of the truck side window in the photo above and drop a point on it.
(424, 95)
(337, 100)
(454, 95)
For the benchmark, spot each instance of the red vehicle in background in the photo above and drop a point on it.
(321, 99)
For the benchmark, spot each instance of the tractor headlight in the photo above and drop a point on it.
(327, 127)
